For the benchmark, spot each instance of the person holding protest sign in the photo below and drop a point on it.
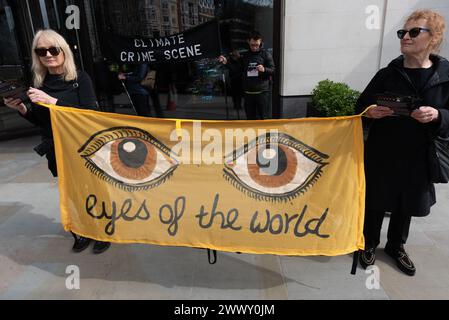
(139, 94)
(397, 165)
(255, 66)
(153, 89)
(57, 82)
(235, 79)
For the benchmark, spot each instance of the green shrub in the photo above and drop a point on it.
(334, 99)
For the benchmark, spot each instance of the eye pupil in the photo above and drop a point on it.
(129, 147)
(269, 153)
(132, 153)
(272, 161)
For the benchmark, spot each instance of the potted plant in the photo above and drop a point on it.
(332, 99)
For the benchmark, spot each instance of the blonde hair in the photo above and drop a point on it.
(436, 24)
(39, 70)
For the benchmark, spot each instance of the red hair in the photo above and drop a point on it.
(436, 24)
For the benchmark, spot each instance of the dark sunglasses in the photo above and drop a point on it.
(413, 33)
(42, 52)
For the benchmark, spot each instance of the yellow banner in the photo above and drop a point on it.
(286, 187)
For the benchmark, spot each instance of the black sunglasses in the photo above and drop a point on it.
(413, 33)
(42, 52)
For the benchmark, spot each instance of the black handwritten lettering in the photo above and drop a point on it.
(276, 224)
(125, 212)
(257, 228)
(171, 215)
(226, 223)
(126, 207)
(174, 215)
(298, 224)
(289, 219)
(143, 207)
(319, 222)
(91, 202)
(280, 224)
(231, 218)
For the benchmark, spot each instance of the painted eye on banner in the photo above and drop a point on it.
(274, 167)
(129, 158)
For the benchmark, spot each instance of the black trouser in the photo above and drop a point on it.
(237, 101)
(398, 229)
(237, 94)
(141, 104)
(156, 103)
(256, 105)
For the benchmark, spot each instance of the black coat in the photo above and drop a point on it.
(241, 66)
(396, 165)
(78, 93)
(262, 82)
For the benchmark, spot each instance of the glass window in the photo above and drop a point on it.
(200, 89)
(12, 68)
(9, 54)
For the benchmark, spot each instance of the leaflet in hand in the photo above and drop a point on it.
(400, 104)
(10, 89)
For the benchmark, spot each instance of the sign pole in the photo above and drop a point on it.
(129, 97)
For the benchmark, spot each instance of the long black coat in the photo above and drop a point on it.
(396, 165)
(240, 68)
(78, 93)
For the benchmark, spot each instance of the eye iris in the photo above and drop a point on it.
(133, 158)
(263, 174)
(269, 159)
(132, 153)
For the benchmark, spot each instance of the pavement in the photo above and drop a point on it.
(36, 261)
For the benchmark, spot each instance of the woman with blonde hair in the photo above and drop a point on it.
(397, 166)
(56, 81)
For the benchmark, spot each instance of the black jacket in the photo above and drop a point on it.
(261, 83)
(396, 165)
(78, 93)
(137, 73)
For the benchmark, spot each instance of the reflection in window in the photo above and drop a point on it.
(9, 53)
(195, 88)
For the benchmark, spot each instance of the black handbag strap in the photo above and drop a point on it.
(355, 261)
(214, 254)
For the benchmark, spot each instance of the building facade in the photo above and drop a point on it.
(199, 88)
(342, 41)
(310, 40)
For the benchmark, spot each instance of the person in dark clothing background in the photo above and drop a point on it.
(154, 91)
(56, 81)
(396, 150)
(256, 67)
(235, 79)
(139, 94)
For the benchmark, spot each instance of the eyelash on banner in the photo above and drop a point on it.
(297, 166)
(128, 158)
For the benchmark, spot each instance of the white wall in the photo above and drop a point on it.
(329, 39)
(397, 11)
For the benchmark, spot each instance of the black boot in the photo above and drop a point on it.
(100, 246)
(403, 261)
(367, 257)
(80, 244)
